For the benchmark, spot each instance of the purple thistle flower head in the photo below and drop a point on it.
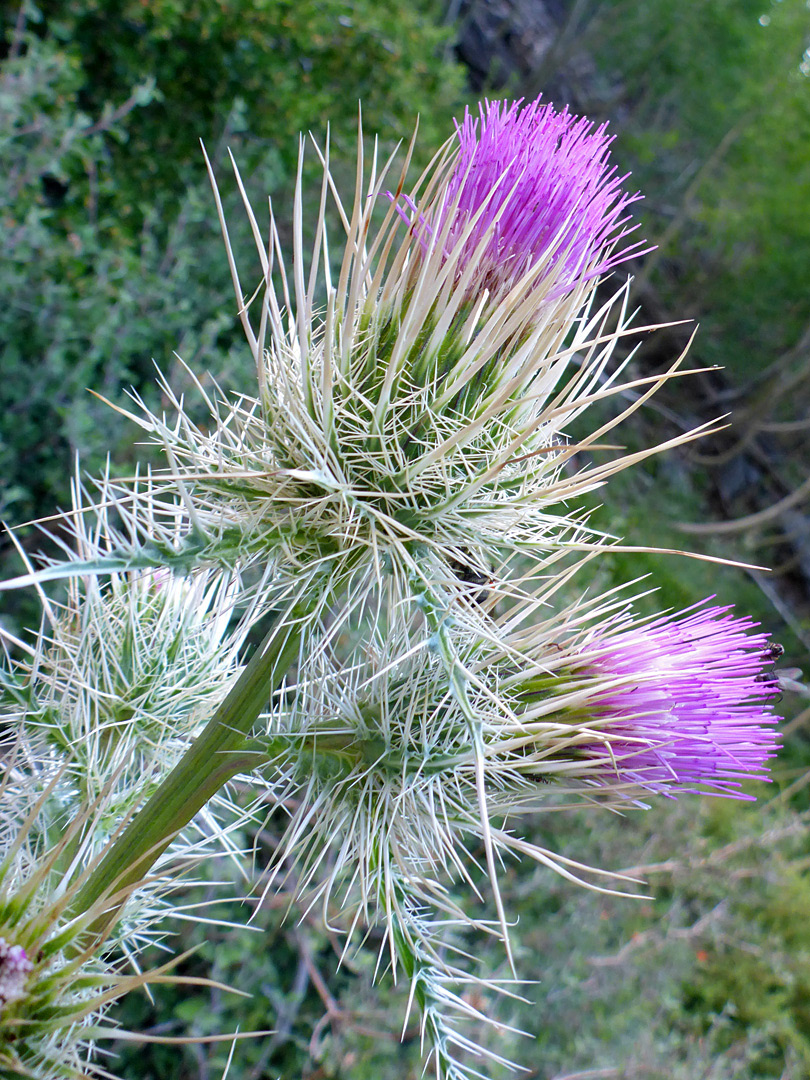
(683, 703)
(548, 193)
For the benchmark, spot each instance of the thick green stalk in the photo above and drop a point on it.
(212, 759)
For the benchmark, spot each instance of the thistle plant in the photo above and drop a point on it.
(395, 508)
(61, 970)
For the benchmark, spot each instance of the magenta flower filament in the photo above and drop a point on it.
(685, 703)
(546, 193)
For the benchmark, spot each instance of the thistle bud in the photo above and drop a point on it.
(418, 409)
(14, 969)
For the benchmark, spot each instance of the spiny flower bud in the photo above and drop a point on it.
(677, 704)
(14, 969)
(420, 408)
(62, 965)
(130, 669)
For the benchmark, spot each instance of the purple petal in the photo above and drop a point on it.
(686, 701)
(549, 194)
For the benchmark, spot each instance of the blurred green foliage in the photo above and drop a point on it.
(711, 102)
(112, 257)
(294, 65)
(87, 304)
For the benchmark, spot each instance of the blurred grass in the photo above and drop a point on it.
(708, 978)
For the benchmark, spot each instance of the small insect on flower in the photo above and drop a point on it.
(469, 574)
(782, 678)
(771, 654)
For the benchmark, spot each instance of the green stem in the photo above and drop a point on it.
(425, 976)
(211, 760)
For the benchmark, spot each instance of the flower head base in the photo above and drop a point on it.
(532, 189)
(622, 709)
(680, 704)
(14, 969)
